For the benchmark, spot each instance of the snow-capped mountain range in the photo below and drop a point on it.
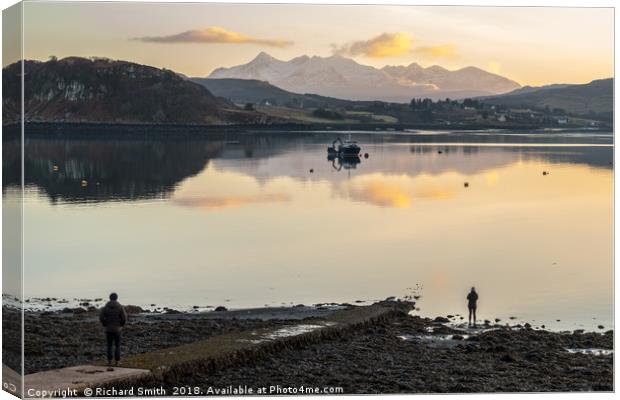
(342, 77)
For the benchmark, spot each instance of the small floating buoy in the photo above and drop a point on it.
(466, 184)
(84, 182)
(365, 155)
(311, 170)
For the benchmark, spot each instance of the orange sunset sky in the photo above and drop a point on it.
(534, 46)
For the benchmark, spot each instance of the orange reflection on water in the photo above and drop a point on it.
(536, 246)
(381, 192)
(231, 201)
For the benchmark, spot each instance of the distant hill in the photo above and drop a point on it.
(467, 81)
(592, 99)
(249, 91)
(530, 89)
(341, 77)
(77, 89)
(261, 92)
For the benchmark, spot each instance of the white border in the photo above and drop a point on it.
(504, 3)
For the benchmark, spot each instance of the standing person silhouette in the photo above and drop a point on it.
(472, 304)
(113, 318)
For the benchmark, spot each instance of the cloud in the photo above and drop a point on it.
(384, 45)
(441, 51)
(214, 34)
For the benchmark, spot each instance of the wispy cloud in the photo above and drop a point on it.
(442, 51)
(384, 45)
(214, 34)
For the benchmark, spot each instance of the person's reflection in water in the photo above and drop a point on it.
(472, 304)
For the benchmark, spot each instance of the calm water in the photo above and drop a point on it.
(241, 221)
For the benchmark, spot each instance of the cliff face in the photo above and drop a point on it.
(99, 90)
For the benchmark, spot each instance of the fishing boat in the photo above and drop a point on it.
(347, 148)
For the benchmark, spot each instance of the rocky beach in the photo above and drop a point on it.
(404, 353)
(418, 355)
(71, 337)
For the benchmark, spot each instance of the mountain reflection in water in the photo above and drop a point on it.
(263, 219)
(97, 170)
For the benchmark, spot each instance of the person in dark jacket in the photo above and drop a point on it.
(472, 304)
(113, 318)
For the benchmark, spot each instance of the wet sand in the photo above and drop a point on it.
(406, 354)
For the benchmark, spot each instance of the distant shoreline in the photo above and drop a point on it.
(180, 130)
(65, 308)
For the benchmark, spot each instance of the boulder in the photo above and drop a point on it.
(133, 309)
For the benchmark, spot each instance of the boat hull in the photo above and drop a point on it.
(344, 151)
(350, 151)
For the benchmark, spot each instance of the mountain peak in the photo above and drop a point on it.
(436, 68)
(472, 69)
(343, 77)
(263, 57)
(300, 59)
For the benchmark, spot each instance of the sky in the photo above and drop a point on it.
(531, 45)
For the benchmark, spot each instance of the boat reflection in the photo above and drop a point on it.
(340, 162)
(101, 169)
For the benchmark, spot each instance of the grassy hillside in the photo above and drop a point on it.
(76, 89)
(263, 93)
(591, 99)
